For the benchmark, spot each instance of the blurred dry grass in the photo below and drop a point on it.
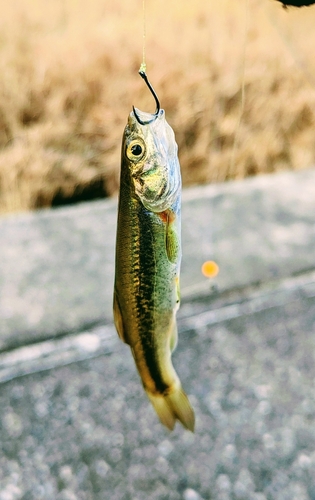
(69, 79)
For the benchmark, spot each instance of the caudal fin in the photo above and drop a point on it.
(172, 407)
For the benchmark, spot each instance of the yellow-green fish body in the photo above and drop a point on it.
(148, 254)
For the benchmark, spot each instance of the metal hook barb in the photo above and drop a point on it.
(144, 76)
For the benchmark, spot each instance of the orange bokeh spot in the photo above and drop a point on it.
(210, 269)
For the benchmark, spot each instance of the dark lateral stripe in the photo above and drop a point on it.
(145, 299)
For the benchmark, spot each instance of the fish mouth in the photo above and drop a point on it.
(145, 118)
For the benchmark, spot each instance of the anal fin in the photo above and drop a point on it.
(174, 338)
(118, 320)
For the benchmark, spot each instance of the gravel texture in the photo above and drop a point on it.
(75, 423)
(87, 431)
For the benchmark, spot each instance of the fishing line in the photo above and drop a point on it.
(231, 167)
(143, 65)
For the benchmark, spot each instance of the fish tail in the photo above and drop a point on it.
(173, 406)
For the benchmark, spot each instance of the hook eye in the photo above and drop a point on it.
(157, 102)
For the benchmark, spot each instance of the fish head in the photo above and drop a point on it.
(150, 151)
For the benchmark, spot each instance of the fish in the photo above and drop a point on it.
(148, 256)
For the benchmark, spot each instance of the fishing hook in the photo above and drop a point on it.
(144, 76)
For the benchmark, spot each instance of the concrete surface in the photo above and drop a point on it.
(57, 266)
(74, 421)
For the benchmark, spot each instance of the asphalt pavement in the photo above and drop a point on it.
(74, 420)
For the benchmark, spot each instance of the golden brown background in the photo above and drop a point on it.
(69, 79)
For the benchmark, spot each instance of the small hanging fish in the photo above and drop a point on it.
(148, 255)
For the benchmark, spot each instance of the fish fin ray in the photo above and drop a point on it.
(172, 407)
(172, 243)
(174, 338)
(181, 407)
(162, 409)
(118, 320)
(177, 291)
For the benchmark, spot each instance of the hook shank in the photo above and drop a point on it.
(157, 102)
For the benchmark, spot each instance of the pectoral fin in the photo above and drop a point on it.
(172, 243)
(118, 320)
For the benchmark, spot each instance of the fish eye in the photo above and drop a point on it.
(135, 150)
